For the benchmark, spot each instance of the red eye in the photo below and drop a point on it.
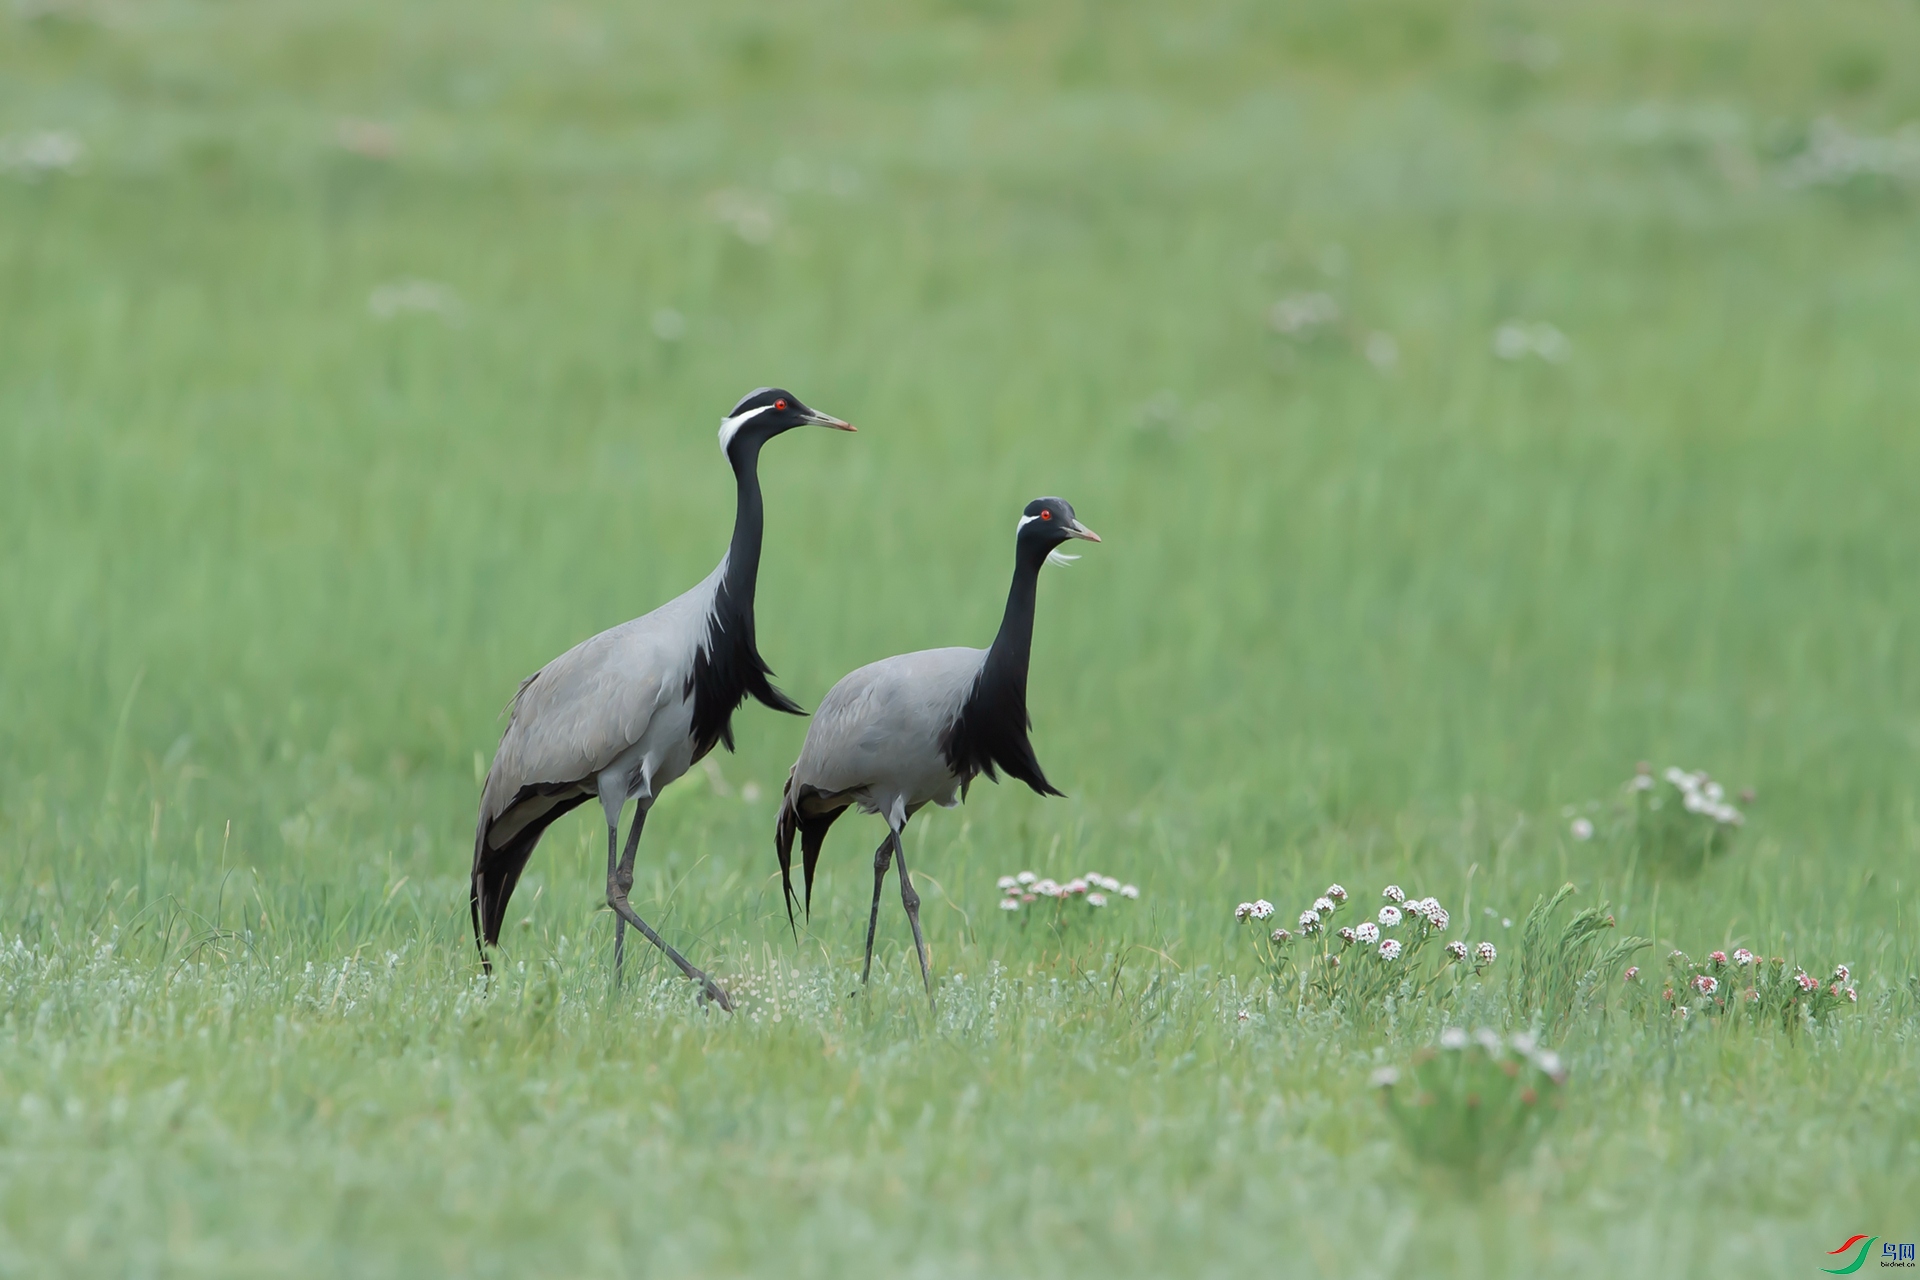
(1046, 515)
(779, 404)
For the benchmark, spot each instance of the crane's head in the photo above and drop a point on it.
(1045, 524)
(761, 415)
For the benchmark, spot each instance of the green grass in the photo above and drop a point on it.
(271, 565)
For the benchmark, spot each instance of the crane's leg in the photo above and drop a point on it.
(882, 858)
(910, 899)
(620, 883)
(619, 921)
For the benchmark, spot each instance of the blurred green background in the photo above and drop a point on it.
(1475, 399)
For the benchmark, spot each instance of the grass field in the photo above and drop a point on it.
(356, 359)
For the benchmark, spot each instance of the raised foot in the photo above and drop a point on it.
(711, 990)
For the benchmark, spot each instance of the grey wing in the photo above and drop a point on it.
(569, 720)
(876, 733)
(885, 720)
(574, 715)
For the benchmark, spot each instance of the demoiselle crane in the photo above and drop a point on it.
(620, 716)
(919, 728)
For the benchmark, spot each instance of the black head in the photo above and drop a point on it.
(1048, 522)
(763, 414)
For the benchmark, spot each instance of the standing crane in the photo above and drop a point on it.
(620, 716)
(918, 728)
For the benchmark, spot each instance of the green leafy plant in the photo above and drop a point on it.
(1472, 1103)
(1563, 967)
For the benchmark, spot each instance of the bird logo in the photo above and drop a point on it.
(1859, 1259)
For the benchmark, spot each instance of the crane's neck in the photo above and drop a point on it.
(1003, 679)
(990, 730)
(727, 666)
(749, 524)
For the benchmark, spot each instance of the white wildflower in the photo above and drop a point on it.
(1262, 909)
(1026, 877)
(1453, 1038)
(1523, 1042)
(669, 325)
(1517, 339)
(1335, 892)
(32, 156)
(1244, 910)
(1010, 904)
(1323, 905)
(1489, 1039)
(1393, 893)
(1381, 350)
(1129, 890)
(1389, 917)
(1096, 899)
(1582, 829)
(1007, 884)
(1390, 949)
(1485, 954)
(1457, 949)
(1046, 888)
(1366, 932)
(1384, 1078)
(1301, 313)
(426, 296)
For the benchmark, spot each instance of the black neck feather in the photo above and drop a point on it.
(728, 668)
(991, 729)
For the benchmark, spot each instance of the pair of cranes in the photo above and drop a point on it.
(619, 717)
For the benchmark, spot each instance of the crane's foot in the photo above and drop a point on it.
(714, 992)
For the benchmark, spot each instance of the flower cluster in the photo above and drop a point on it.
(1476, 1100)
(1371, 958)
(1092, 888)
(1742, 983)
(1698, 794)
(1680, 818)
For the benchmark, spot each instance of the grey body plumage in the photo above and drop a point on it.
(875, 740)
(622, 715)
(913, 730)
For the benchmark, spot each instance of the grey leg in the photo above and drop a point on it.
(619, 884)
(882, 858)
(910, 898)
(619, 922)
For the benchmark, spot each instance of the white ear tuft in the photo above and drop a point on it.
(728, 426)
(1060, 558)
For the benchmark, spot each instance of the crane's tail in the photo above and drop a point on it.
(496, 869)
(813, 834)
